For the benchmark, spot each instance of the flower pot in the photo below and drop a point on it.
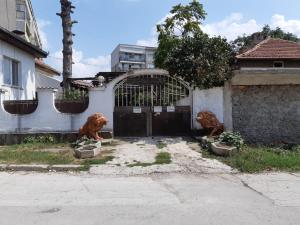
(222, 149)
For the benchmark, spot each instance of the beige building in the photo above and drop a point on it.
(17, 16)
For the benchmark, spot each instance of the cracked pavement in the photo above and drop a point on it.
(169, 198)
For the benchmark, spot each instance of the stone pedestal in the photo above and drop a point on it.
(88, 149)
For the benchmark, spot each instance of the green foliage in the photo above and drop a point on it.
(202, 61)
(184, 20)
(242, 43)
(74, 94)
(46, 139)
(261, 158)
(232, 139)
(186, 52)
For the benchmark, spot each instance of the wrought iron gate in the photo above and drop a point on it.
(150, 105)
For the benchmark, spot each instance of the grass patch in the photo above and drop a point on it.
(161, 158)
(87, 163)
(259, 159)
(32, 156)
(36, 153)
(34, 146)
(161, 145)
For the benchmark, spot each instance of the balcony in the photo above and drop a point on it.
(132, 58)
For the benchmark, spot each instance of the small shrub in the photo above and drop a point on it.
(232, 139)
(48, 139)
(74, 95)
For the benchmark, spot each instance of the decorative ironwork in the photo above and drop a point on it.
(150, 91)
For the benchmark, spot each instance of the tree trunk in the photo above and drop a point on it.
(67, 23)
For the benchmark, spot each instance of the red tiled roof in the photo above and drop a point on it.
(273, 48)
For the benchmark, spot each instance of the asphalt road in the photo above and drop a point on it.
(177, 199)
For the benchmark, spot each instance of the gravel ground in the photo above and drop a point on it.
(186, 158)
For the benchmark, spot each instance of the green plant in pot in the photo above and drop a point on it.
(233, 139)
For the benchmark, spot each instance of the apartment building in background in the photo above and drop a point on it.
(126, 57)
(17, 16)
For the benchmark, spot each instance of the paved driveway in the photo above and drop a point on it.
(177, 199)
(186, 157)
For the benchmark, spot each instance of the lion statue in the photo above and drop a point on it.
(93, 125)
(209, 121)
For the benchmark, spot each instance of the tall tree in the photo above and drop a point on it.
(67, 23)
(245, 42)
(182, 21)
(186, 52)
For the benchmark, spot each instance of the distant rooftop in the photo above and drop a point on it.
(273, 48)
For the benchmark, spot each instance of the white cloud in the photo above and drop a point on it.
(41, 25)
(232, 26)
(82, 67)
(292, 26)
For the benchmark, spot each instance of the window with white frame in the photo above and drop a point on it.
(11, 72)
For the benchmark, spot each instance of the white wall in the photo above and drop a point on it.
(47, 118)
(101, 100)
(27, 66)
(208, 100)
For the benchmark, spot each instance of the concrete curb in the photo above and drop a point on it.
(40, 168)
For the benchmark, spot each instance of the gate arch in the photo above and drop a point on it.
(150, 90)
(151, 102)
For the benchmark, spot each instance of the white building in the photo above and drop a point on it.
(17, 66)
(17, 16)
(126, 57)
(21, 73)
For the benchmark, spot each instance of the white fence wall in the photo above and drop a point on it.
(208, 100)
(48, 118)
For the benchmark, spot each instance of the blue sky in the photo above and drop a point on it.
(105, 23)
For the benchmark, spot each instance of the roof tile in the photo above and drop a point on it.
(273, 48)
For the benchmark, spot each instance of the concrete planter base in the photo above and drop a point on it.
(221, 149)
(88, 151)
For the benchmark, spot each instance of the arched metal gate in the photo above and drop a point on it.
(148, 105)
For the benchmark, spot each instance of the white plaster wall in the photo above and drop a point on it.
(208, 100)
(47, 118)
(27, 69)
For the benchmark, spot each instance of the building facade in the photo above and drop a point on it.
(263, 98)
(131, 57)
(17, 16)
(17, 66)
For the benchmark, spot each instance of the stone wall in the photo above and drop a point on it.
(267, 113)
